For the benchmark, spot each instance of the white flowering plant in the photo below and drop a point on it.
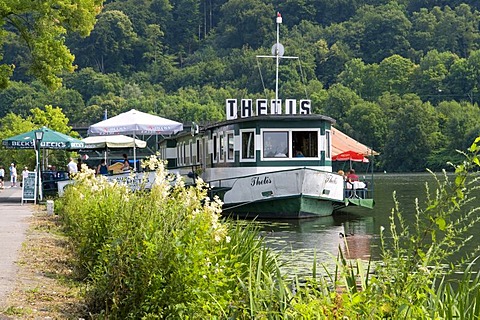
(165, 251)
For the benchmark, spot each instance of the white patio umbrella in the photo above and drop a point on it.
(112, 142)
(135, 122)
(116, 141)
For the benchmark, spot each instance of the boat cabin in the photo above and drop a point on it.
(251, 145)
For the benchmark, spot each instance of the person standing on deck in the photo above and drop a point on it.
(72, 168)
(352, 176)
(102, 168)
(126, 163)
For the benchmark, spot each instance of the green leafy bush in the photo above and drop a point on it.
(165, 253)
(160, 253)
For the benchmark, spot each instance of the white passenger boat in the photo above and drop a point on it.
(270, 158)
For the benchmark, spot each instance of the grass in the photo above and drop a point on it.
(45, 286)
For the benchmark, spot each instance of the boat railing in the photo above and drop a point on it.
(358, 189)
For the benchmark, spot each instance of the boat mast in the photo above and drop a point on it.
(277, 52)
(277, 58)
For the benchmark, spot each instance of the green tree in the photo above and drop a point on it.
(430, 76)
(162, 64)
(464, 22)
(395, 74)
(185, 21)
(462, 82)
(109, 48)
(328, 11)
(339, 102)
(294, 11)
(199, 74)
(318, 94)
(13, 124)
(473, 76)
(457, 120)
(422, 36)
(458, 83)
(382, 31)
(330, 61)
(15, 92)
(90, 83)
(70, 102)
(362, 78)
(244, 23)
(42, 28)
(368, 123)
(95, 110)
(413, 134)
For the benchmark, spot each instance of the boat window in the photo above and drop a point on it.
(215, 152)
(275, 144)
(199, 152)
(179, 153)
(193, 157)
(248, 145)
(185, 159)
(328, 150)
(305, 143)
(230, 154)
(222, 147)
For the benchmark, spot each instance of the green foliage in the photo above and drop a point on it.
(109, 47)
(42, 29)
(250, 27)
(165, 253)
(162, 253)
(415, 129)
(460, 299)
(422, 250)
(18, 96)
(13, 124)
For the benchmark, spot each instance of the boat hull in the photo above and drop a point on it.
(284, 194)
(294, 207)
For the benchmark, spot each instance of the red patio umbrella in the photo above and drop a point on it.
(350, 156)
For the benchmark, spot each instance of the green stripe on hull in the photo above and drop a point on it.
(366, 203)
(285, 208)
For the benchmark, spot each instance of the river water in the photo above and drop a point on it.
(301, 242)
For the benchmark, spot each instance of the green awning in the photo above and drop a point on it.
(51, 140)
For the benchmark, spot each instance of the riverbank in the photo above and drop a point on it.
(44, 287)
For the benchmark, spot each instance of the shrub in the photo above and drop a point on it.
(161, 253)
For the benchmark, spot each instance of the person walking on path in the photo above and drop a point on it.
(24, 175)
(13, 175)
(2, 177)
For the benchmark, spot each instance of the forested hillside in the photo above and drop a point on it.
(401, 76)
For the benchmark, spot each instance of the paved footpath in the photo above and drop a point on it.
(13, 227)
